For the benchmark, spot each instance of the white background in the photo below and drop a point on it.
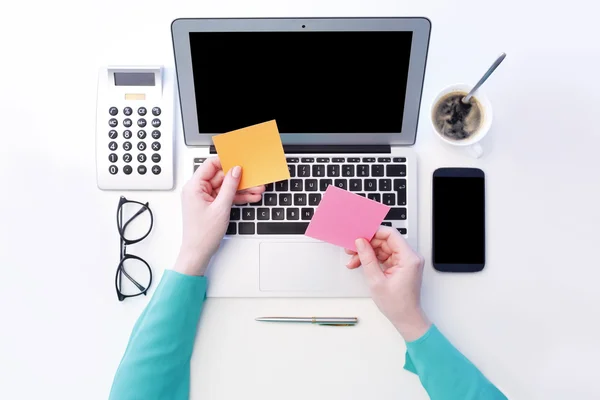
(530, 320)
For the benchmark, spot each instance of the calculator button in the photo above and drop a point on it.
(127, 134)
(112, 157)
(141, 122)
(141, 146)
(156, 157)
(156, 170)
(127, 169)
(127, 157)
(112, 134)
(113, 122)
(142, 111)
(113, 111)
(155, 134)
(156, 122)
(156, 146)
(127, 111)
(127, 123)
(141, 157)
(113, 146)
(142, 169)
(113, 169)
(141, 134)
(156, 111)
(127, 146)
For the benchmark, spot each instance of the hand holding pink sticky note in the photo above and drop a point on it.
(342, 217)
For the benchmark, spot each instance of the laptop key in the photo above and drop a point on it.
(384, 159)
(300, 199)
(395, 170)
(333, 170)
(355, 185)
(296, 185)
(282, 228)
(293, 213)
(377, 170)
(401, 197)
(386, 223)
(231, 229)
(281, 186)
(303, 170)
(246, 228)
(338, 159)
(248, 214)
(285, 199)
(396, 213)
(258, 203)
(347, 170)
(323, 183)
(278, 214)
(385, 185)
(270, 199)
(399, 159)
(318, 170)
(310, 185)
(399, 184)
(361, 194)
(323, 159)
(375, 196)
(362, 170)
(308, 159)
(292, 160)
(307, 213)
(353, 159)
(269, 187)
(341, 183)
(368, 159)
(389, 199)
(370, 185)
(262, 214)
(234, 214)
(314, 199)
(292, 169)
(401, 230)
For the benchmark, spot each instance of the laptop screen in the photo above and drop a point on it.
(309, 82)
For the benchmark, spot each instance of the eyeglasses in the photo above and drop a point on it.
(134, 229)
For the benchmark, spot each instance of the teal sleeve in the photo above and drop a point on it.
(156, 363)
(444, 372)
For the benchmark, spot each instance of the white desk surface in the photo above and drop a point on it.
(530, 320)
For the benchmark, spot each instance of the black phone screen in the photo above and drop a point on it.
(459, 219)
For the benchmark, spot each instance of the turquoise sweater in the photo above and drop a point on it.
(156, 363)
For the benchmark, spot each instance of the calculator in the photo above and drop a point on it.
(134, 129)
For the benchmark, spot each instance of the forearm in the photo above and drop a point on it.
(156, 363)
(445, 373)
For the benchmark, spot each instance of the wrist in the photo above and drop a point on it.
(191, 263)
(414, 327)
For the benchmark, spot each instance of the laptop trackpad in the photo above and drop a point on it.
(305, 267)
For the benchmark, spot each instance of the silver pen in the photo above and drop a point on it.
(331, 321)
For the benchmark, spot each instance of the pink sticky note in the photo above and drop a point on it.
(342, 217)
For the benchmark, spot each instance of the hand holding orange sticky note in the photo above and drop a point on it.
(258, 150)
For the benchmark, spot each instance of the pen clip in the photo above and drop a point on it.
(333, 324)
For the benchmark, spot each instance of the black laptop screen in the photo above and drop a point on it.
(310, 82)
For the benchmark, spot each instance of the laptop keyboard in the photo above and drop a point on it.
(288, 206)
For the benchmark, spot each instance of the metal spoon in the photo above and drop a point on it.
(484, 78)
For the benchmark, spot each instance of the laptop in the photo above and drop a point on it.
(345, 93)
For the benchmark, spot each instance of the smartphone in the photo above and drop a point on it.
(458, 220)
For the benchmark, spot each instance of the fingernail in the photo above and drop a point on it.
(236, 171)
(360, 244)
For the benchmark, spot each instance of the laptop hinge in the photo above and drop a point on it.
(331, 148)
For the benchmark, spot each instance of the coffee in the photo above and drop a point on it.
(455, 119)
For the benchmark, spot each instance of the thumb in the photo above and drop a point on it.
(369, 261)
(229, 187)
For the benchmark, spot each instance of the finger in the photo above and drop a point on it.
(229, 187)
(246, 198)
(354, 262)
(393, 239)
(369, 261)
(350, 252)
(218, 179)
(381, 244)
(254, 190)
(207, 170)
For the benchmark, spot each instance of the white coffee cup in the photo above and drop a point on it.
(470, 144)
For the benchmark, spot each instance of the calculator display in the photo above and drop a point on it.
(134, 79)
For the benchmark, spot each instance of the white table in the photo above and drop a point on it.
(530, 320)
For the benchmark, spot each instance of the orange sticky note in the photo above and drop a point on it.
(258, 150)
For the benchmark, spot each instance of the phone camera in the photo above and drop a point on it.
(304, 26)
